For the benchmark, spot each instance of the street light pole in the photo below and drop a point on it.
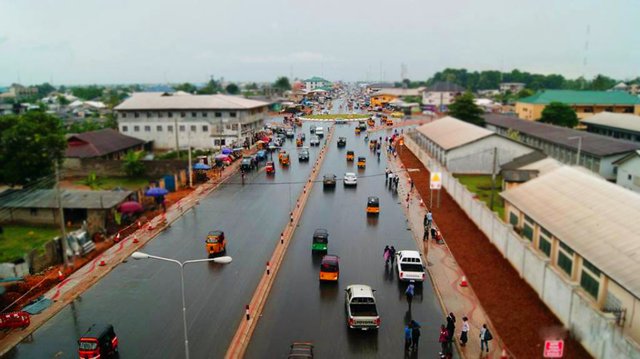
(579, 138)
(222, 260)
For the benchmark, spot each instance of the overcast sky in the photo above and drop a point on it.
(154, 41)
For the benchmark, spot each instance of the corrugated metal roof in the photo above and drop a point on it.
(397, 92)
(449, 132)
(574, 97)
(46, 198)
(596, 218)
(623, 121)
(592, 143)
(99, 143)
(164, 101)
(523, 160)
(543, 166)
(442, 86)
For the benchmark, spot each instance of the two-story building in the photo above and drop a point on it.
(384, 96)
(176, 120)
(316, 82)
(585, 103)
(440, 95)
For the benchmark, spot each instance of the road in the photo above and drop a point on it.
(142, 298)
(300, 308)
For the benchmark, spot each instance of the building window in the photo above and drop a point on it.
(182, 114)
(194, 114)
(628, 110)
(513, 219)
(234, 127)
(124, 115)
(148, 114)
(565, 258)
(588, 109)
(33, 211)
(136, 128)
(159, 128)
(218, 114)
(608, 109)
(204, 114)
(182, 128)
(193, 128)
(136, 115)
(527, 229)
(205, 128)
(629, 177)
(590, 278)
(170, 114)
(170, 128)
(233, 114)
(147, 128)
(125, 129)
(544, 242)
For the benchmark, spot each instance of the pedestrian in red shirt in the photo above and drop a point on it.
(443, 340)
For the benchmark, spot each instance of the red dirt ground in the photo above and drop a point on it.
(520, 317)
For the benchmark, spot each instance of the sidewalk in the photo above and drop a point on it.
(82, 279)
(446, 274)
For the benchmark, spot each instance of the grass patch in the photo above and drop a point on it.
(18, 240)
(345, 116)
(481, 186)
(109, 183)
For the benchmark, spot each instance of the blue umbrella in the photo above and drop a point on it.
(226, 151)
(201, 166)
(156, 192)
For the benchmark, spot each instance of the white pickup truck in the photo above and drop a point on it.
(360, 305)
(410, 266)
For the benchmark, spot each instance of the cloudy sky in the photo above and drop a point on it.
(152, 41)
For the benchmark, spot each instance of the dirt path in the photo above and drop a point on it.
(520, 317)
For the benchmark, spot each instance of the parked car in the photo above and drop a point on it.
(303, 155)
(329, 180)
(314, 141)
(360, 305)
(342, 141)
(410, 266)
(350, 179)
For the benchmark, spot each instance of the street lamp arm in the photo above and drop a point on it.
(223, 260)
(166, 259)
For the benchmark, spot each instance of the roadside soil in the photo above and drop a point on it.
(522, 320)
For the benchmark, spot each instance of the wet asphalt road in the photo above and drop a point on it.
(141, 298)
(300, 308)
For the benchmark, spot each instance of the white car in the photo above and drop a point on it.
(314, 141)
(350, 179)
(319, 131)
(410, 266)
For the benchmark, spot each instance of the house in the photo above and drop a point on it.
(17, 91)
(620, 87)
(440, 95)
(511, 87)
(40, 206)
(625, 126)
(462, 147)
(315, 82)
(179, 119)
(526, 167)
(586, 231)
(585, 103)
(628, 171)
(105, 144)
(597, 153)
(384, 96)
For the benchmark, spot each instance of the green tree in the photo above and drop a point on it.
(92, 181)
(186, 87)
(559, 114)
(602, 83)
(133, 165)
(252, 86)
(463, 108)
(87, 92)
(232, 89)
(282, 84)
(45, 89)
(212, 87)
(110, 121)
(524, 93)
(62, 100)
(30, 144)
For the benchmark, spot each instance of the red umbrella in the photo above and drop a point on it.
(130, 207)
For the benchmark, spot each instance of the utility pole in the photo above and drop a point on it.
(190, 165)
(493, 176)
(175, 128)
(63, 230)
(579, 138)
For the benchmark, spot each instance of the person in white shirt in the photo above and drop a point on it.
(464, 335)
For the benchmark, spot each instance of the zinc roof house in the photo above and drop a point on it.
(106, 143)
(588, 230)
(624, 126)
(585, 103)
(597, 152)
(465, 148)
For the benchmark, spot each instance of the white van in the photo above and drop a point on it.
(320, 132)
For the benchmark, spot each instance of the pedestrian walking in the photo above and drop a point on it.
(442, 339)
(464, 334)
(415, 335)
(409, 292)
(411, 184)
(396, 180)
(392, 253)
(429, 217)
(386, 254)
(407, 337)
(485, 337)
(386, 175)
(451, 329)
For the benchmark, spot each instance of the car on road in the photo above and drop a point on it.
(289, 133)
(362, 162)
(360, 305)
(410, 266)
(303, 155)
(261, 155)
(350, 156)
(216, 243)
(362, 125)
(270, 168)
(330, 268)
(329, 180)
(99, 341)
(350, 179)
(320, 240)
(373, 205)
(319, 131)
(312, 129)
(342, 141)
(314, 141)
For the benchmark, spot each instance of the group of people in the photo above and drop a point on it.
(447, 334)
(411, 336)
(391, 179)
(389, 254)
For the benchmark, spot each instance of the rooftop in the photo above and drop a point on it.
(593, 144)
(99, 143)
(582, 97)
(185, 101)
(396, 91)
(602, 227)
(449, 132)
(523, 160)
(46, 198)
(442, 86)
(316, 79)
(624, 121)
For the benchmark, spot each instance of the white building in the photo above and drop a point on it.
(440, 95)
(315, 82)
(204, 121)
(628, 171)
(512, 87)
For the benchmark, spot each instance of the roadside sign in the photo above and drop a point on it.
(436, 180)
(553, 348)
